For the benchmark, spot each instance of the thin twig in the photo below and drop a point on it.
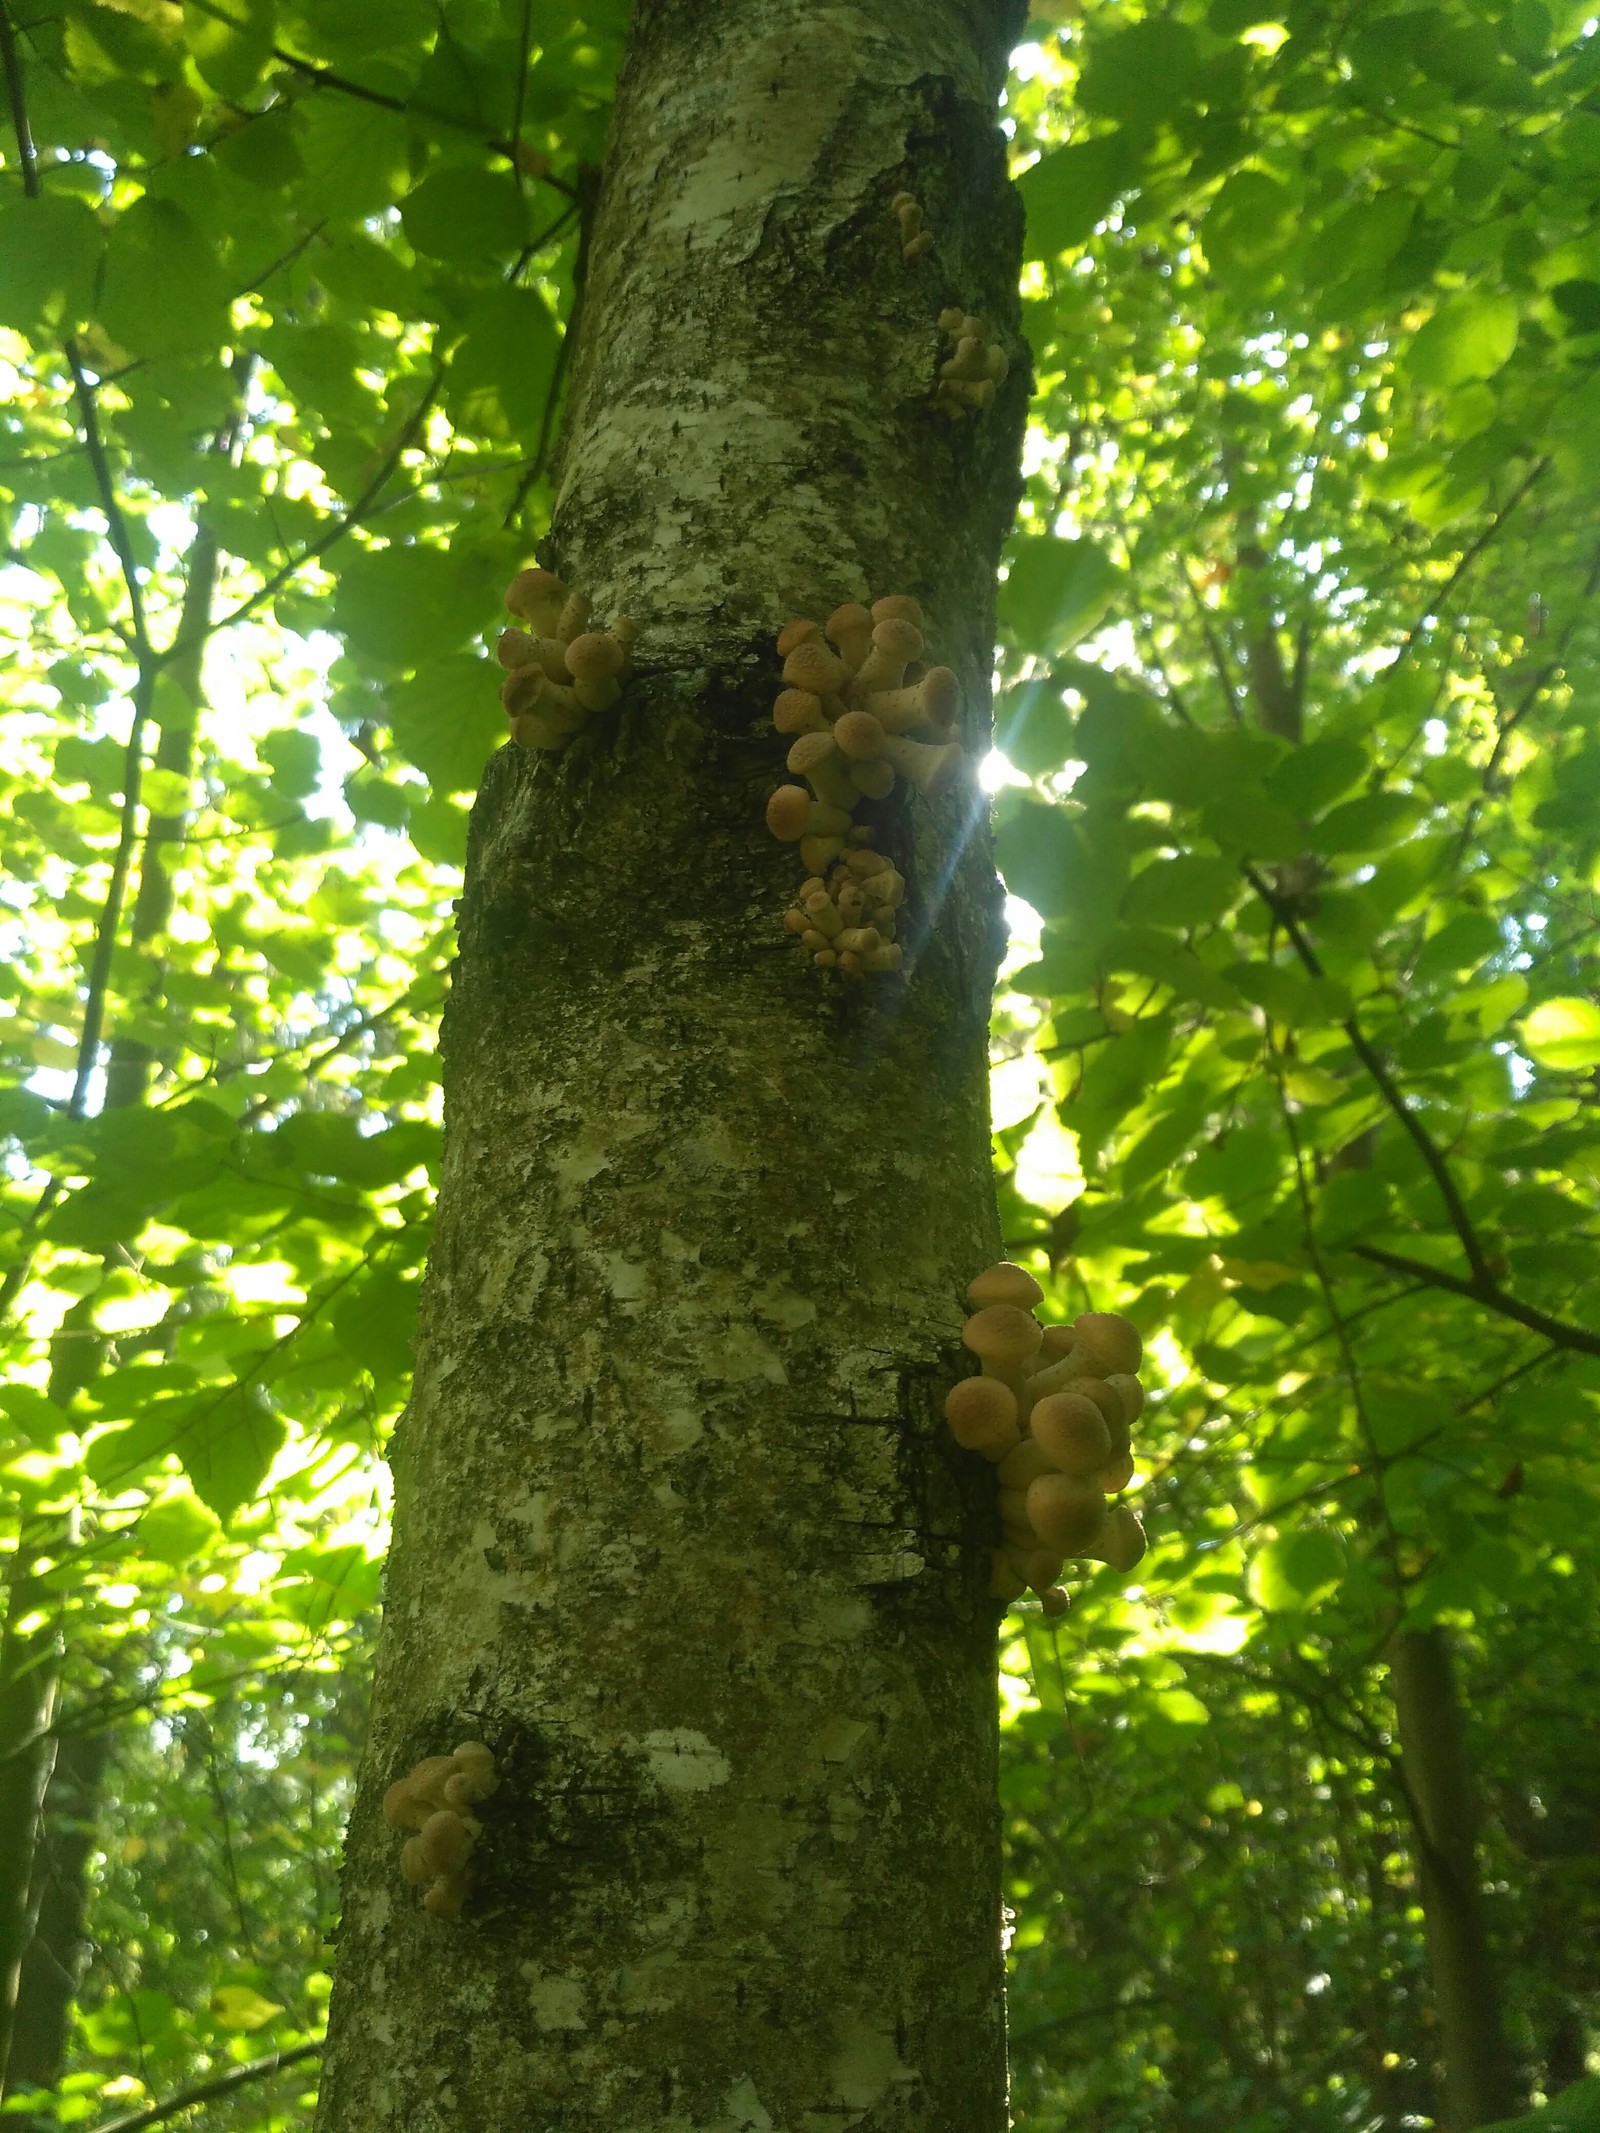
(1487, 1292)
(207, 2091)
(1469, 556)
(340, 526)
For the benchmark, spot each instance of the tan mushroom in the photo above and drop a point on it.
(982, 1413)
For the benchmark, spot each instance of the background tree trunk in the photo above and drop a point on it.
(30, 1679)
(677, 1528)
(1479, 2083)
(58, 1953)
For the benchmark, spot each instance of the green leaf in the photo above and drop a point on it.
(1251, 220)
(1314, 776)
(465, 212)
(503, 370)
(1055, 592)
(49, 254)
(164, 292)
(241, 2008)
(1141, 74)
(230, 54)
(1186, 891)
(1563, 1033)
(1461, 944)
(1033, 727)
(1293, 1572)
(1370, 824)
(175, 1530)
(1471, 336)
(1071, 189)
(375, 1321)
(228, 1446)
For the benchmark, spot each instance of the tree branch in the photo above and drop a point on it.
(1468, 557)
(207, 2091)
(16, 89)
(1484, 1290)
(1389, 1088)
(340, 526)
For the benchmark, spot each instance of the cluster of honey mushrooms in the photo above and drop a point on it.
(969, 379)
(435, 1801)
(1052, 1411)
(863, 710)
(560, 671)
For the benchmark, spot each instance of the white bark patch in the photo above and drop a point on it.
(746, 2113)
(867, 2066)
(557, 2002)
(673, 1430)
(840, 1738)
(682, 1760)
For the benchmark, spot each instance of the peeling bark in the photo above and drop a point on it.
(678, 1531)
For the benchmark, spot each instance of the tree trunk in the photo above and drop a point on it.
(58, 1953)
(1479, 2083)
(30, 1677)
(677, 1529)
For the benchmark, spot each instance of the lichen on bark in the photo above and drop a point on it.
(677, 1529)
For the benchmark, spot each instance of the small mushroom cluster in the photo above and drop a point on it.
(435, 1800)
(848, 921)
(1052, 1410)
(915, 241)
(863, 710)
(969, 379)
(560, 672)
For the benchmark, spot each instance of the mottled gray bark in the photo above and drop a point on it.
(678, 1531)
(1479, 2082)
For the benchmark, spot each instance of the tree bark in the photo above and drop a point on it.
(58, 1953)
(30, 1678)
(677, 1529)
(1478, 2077)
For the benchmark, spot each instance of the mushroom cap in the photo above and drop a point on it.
(1130, 1392)
(898, 607)
(809, 751)
(1117, 1474)
(941, 694)
(595, 657)
(533, 594)
(1025, 1462)
(789, 813)
(445, 1898)
(1058, 1341)
(1072, 1433)
(1002, 1334)
(1121, 1542)
(522, 688)
(849, 620)
(859, 735)
(982, 1410)
(798, 711)
(1109, 1401)
(1055, 1600)
(1065, 1512)
(445, 1842)
(875, 780)
(812, 666)
(515, 648)
(1112, 1341)
(950, 318)
(1041, 1569)
(1005, 1283)
(414, 1862)
(399, 1808)
(795, 633)
(897, 637)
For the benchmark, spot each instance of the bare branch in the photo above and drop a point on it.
(207, 2091)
